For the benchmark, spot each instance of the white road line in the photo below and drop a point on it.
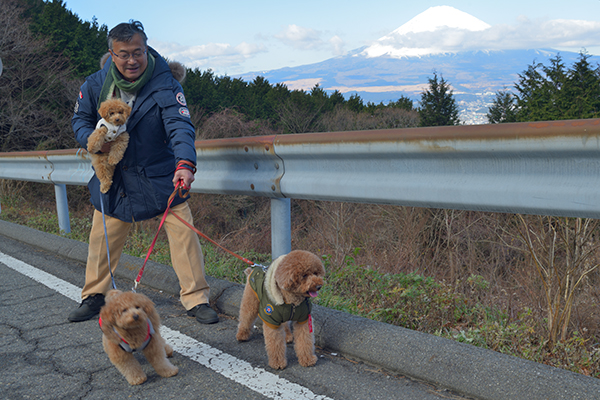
(239, 371)
(65, 288)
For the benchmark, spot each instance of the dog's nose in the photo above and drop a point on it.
(136, 317)
(319, 287)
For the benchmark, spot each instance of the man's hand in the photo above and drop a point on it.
(183, 174)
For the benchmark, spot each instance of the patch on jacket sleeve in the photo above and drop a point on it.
(184, 112)
(80, 97)
(181, 99)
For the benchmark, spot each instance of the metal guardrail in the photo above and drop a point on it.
(544, 168)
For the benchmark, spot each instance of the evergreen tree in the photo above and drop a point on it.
(553, 87)
(83, 43)
(438, 107)
(503, 108)
(583, 90)
(403, 103)
(201, 90)
(355, 103)
(257, 106)
(547, 93)
(532, 101)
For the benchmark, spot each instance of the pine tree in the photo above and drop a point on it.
(438, 107)
(83, 43)
(503, 108)
(583, 90)
(547, 93)
(532, 100)
(554, 87)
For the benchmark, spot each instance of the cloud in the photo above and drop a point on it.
(301, 38)
(526, 34)
(212, 55)
(337, 45)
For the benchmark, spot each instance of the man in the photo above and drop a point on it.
(160, 154)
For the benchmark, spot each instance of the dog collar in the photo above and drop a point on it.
(125, 346)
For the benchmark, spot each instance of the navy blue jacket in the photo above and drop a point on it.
(161, 134)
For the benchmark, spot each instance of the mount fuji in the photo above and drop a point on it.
(441, 39)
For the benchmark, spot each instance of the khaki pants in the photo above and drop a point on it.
(186, 255)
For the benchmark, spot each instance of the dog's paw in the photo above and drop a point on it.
(308, 361)
(169, 371)
(278, 364)
(168, 350)
(289, 337)
(105, 186)
(136, 379)
(243, 335)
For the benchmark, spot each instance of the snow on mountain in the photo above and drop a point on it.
(438, 17)
(434, 31)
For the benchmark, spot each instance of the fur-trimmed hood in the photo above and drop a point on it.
(177, 69)
(271, 287)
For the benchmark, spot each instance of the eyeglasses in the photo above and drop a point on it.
(126, 56)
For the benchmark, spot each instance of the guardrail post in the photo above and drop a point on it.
(281, 227)
(62, 207)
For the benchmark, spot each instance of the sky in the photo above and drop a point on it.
(236, 37)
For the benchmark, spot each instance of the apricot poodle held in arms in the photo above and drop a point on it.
(129, 323)
(111, 128)
(280, 297)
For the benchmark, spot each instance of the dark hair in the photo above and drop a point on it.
(125, 31)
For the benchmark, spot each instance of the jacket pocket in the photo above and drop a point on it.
(160, 177)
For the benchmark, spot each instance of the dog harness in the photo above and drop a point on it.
(275, 314)
(113, 130)
(125, 346)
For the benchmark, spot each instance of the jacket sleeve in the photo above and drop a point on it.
(177, 123)
(85, 116)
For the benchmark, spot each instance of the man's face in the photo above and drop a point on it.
(137, 57)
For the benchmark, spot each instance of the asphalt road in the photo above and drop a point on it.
(45, 357)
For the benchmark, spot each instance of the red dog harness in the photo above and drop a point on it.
(125, 346)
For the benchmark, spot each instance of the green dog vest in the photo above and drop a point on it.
(272, 314)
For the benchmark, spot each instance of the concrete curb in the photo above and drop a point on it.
(463, 368)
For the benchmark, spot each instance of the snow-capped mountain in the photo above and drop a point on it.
(441, 39)
(447, 23)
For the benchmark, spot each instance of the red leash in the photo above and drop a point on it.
(215, 243)
(179, 189)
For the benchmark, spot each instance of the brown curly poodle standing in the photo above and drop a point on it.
(281, 296)
(129, 323)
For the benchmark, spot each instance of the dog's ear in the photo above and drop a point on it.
(286, 275)
(126, 111)
(147, 305)
(103, 110)
(150, 310)
(112, 294)
(108, 318)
